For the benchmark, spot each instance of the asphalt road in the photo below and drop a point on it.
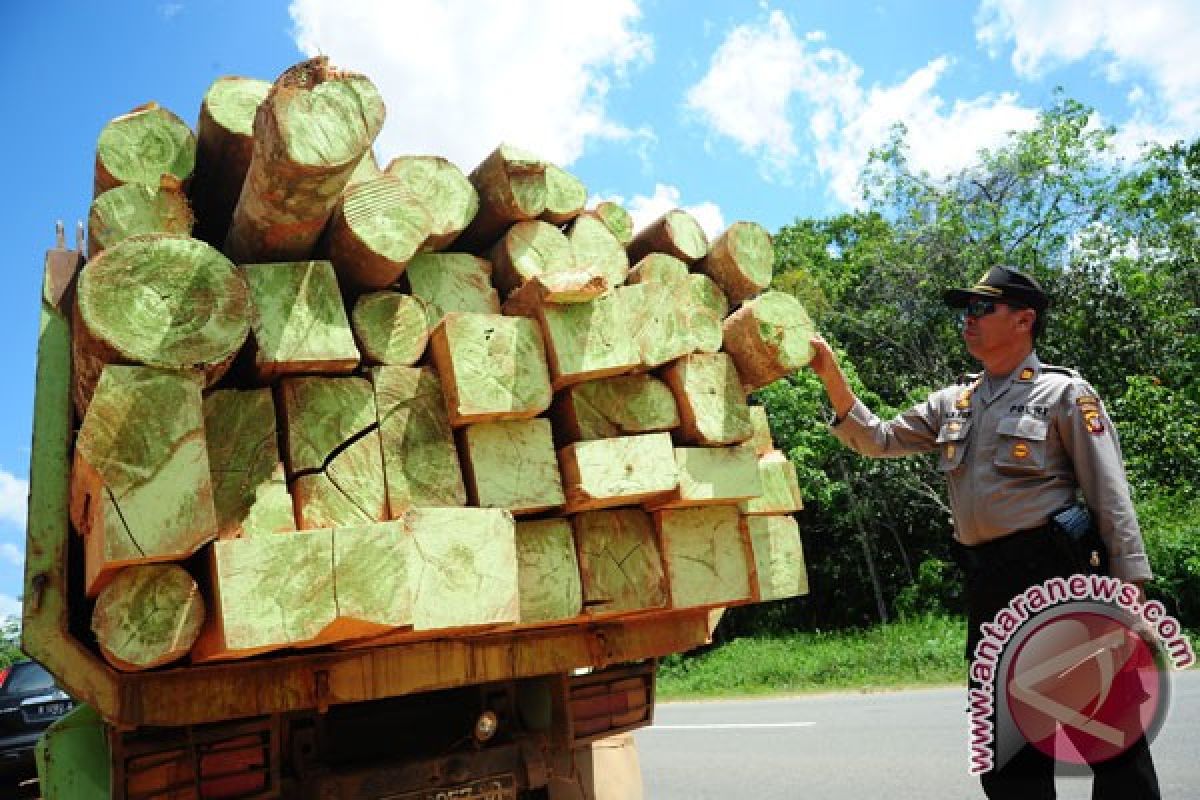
(895, 745)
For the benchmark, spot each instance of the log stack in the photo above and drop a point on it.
(368, 406)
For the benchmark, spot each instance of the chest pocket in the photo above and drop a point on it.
(1021, 445)
(952, 443)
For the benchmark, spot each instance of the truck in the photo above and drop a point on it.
(501, 714)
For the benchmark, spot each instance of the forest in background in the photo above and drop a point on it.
(1114, 243)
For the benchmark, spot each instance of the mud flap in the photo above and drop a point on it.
(606, 769)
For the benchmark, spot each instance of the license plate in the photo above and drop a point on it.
(55, 709)
(501, 787)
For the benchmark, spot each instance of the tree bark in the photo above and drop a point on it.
(391, 328)
(300, 324)
(134, 209)
(147, 617)
(224, 146)
(141, 488)
(675, 233)
(162, 301)
(143, 146)
(310, 133)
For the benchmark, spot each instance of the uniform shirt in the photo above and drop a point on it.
(1014, 452)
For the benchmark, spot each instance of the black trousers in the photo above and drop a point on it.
(997, 572)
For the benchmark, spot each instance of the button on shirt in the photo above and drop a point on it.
(1014, 452)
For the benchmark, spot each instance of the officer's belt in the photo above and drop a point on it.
(1012, 548)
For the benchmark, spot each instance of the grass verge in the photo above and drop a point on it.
(924, 651)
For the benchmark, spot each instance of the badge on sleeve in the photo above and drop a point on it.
(1093, 421)
(1020, 450)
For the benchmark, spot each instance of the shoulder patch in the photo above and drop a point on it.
(1026, 374)
(1070, 373)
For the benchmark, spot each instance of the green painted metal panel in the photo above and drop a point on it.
(73, 758)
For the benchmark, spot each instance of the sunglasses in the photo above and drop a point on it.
(981, 308)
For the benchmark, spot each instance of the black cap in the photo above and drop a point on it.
(1003, 284)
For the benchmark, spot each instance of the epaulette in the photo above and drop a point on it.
(1070, 373)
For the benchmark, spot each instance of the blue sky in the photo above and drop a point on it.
(737, 110)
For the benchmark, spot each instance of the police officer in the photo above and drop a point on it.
(1016, 443)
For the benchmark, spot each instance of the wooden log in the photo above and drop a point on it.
(529, 248)
(778, 558)
(325, 586)
(143, 146)
(597, 250)
(391, 328)
(512, 465)
(310, 133)
(147, 617)
(160, 300)
(780, 487)
(712, 476)
(575, 286)
(768, 338)
(134, 209)
(741, 261)
(656, 313)
(299, 323)
(704, 312)
(712, 407)
(616, 218)
(376, 229)
(762, 441)
(464, 569)
(250, 491)
(511, 183)
(619, 562)
(447, 196)
(332, 451)
(293, 573)
(448, 282)
(224, 146)
(141, 490)
(547, 571)
(704, 550)
(492, 367)
(367, 170)
(657, 267)
(622, 471)
(565, 196)
(619, 406)
(420, 461)
(586, 341)
(675, 233)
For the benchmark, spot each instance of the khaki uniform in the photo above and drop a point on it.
(1014, 452)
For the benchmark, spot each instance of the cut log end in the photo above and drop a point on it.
(148, 616)
(769, 338)
(143, 146)
(135, 209)
(392, 328)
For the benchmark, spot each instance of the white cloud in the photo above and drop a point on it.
(764, 79)
(12, 554)
(460, 77)
(14, 499)
(1151, 42)
(644, 209)
(9, 607)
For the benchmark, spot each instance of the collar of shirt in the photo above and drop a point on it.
(991, 388)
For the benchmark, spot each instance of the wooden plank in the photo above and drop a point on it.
(712, 406)
(141, 488)
(299, 324)
(778, 557)
(618, 406)
(712, 476)
(332, 451)
(548, 571)
(250, 492)
(780, 487)
(622, 471)
(619, 562)
(391, 328)
(448, 282)
(464, 569)
(492, 367)
(310, 133)
(741, 261)
(705, 555)
(148, 616)
(420, 461)
(768, 338)
(512, 465)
